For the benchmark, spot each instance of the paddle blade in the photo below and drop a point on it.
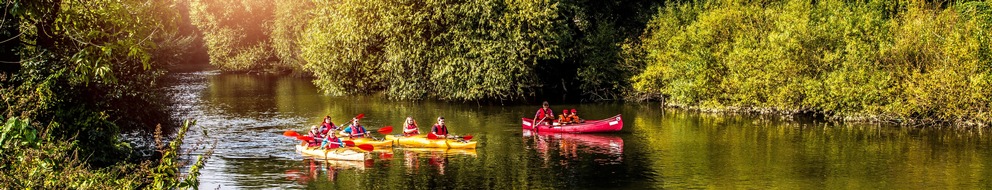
(349, 143)
(290, 133)
(467, 137)
(304, 138)
(360, 116)
(366, 147)
(431, 136)
(386, 130)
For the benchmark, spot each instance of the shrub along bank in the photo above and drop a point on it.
(901, 61)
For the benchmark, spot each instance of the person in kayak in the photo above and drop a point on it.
(574, 117)
(439, 129)
(327, 126)
(331, 141)
(410, 127)
(315, 133)
(564, 118)
(354, 130)
(544, 114)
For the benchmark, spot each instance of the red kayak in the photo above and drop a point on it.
(598, 126)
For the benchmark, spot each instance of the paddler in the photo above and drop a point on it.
(544, 114)
(354, 130)
(439, 129)
(326, 126)
(315, 133)
(410, 127)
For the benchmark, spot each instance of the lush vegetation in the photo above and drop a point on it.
(446, 50)
(234, 32)
(903, 61)
(449, 50)
(75, 73)
(30, 159)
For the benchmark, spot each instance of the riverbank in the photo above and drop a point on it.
(817, 115)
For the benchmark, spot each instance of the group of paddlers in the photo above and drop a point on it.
(545, 115)
(324, 136)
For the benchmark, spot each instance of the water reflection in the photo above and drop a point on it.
(656, 150)
(436, 158)
(605, 148)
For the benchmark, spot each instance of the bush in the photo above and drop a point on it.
(29, 159)
(876, 60)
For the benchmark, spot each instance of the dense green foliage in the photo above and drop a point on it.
(81, 71)
(90, 69)
(287, 28)
(887, 60)
(449, 50)
(438, 49)
(234, 33)
(474, 50)
(29, 159)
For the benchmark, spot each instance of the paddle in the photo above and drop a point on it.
(290, 133)
(386, 130)
(360, 116)
(365, 147)
(293, 134)
(304, 138)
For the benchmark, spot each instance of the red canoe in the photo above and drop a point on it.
(598, 126)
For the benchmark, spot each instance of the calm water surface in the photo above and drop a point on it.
(656, 150)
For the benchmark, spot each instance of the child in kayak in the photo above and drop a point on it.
(544, 114)
(331, 142)
(410, 127)
(439, 129)
(574, 117)
(354, 130)
(564, 118)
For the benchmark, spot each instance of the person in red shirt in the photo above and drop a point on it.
(410, 127)
(544, 114)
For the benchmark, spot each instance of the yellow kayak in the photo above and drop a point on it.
(376, 143)
(332, 154)
(421, 141)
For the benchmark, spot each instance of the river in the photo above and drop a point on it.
(657, 149)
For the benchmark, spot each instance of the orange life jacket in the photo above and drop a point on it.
(564, 119)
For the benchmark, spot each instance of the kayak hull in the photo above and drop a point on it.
(611, 124)
(370, 141)
(421, 141)
(332, 154)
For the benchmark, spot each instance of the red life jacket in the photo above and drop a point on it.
(542, 113)
(357, 130)
(412, 127)
(440, 129)
(327, 127)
